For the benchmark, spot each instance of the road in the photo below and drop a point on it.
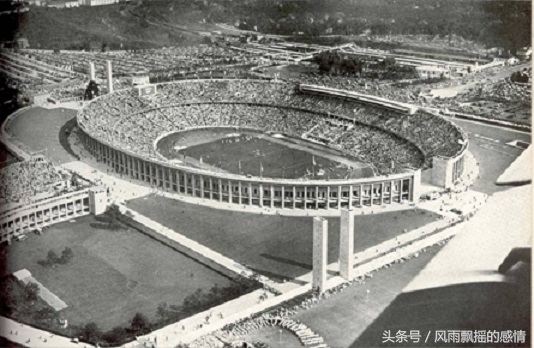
(488, 144)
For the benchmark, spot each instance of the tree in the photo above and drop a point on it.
(91, 333)
(31, 292)
(66, 255)
(115, 336)
(162, 310)
(52, 258)
(140, 323)
(92, 90)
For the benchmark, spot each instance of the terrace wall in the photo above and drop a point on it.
(44, 213)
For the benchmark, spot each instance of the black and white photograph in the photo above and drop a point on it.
(265, 173)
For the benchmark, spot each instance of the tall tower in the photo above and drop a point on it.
(92, 71)
(346, 243)
(320, 253)
(109, 75)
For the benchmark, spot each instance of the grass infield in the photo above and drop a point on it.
(257, 154)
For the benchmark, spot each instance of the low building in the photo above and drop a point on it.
(99, 2)
(432, 72)
(23, 43)
(524, 53)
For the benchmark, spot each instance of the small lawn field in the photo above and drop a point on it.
(116, 271)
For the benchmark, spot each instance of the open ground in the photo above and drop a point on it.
(276, 246)
(116, 271)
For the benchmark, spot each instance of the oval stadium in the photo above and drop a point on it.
(272, 144)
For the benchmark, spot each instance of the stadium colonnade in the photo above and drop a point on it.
(262, 192)
(271, 192)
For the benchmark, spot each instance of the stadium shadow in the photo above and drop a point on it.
(63, 135)
(287, 261)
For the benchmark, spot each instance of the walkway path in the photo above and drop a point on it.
(31, 337)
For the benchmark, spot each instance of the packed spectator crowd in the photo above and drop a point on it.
(389, 141)
(26, 181)
(306, 336)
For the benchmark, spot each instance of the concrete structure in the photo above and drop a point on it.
(433, 72)
(262, 192)
(109, 75)
(320, 253)
(43, 213)
(140, 78)
(40, 99)
(446, 171)
(346, 243)
(98, 200)
(276, 193)
(99, 2)
(92, 74)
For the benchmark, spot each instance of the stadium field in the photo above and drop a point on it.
(116, 271)
(257, 154)
(276, 246)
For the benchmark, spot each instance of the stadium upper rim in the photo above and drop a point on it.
(157, 158)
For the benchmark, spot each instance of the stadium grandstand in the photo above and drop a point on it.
(395, 141)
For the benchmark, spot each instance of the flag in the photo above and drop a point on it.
(201, 160)
(261, 168)
(239, 167)
(313, 160)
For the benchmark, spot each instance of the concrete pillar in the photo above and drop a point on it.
(339, 192)
(350, 196)
(305, 199)
(230, 200)
(109, 75)
(346, 243)
(260, 190)
(92, 75)
(382, 194)
(249, 193)
(272, 196)
(220, 191)
(201, 178)
(416, 186)
(283, 197)
(211, 188)
(320, 253)
(97, 201)
(328, 197)
(240, 193)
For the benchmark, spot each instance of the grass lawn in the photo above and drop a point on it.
(114, 272)
(247, 153)
(276, 246)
